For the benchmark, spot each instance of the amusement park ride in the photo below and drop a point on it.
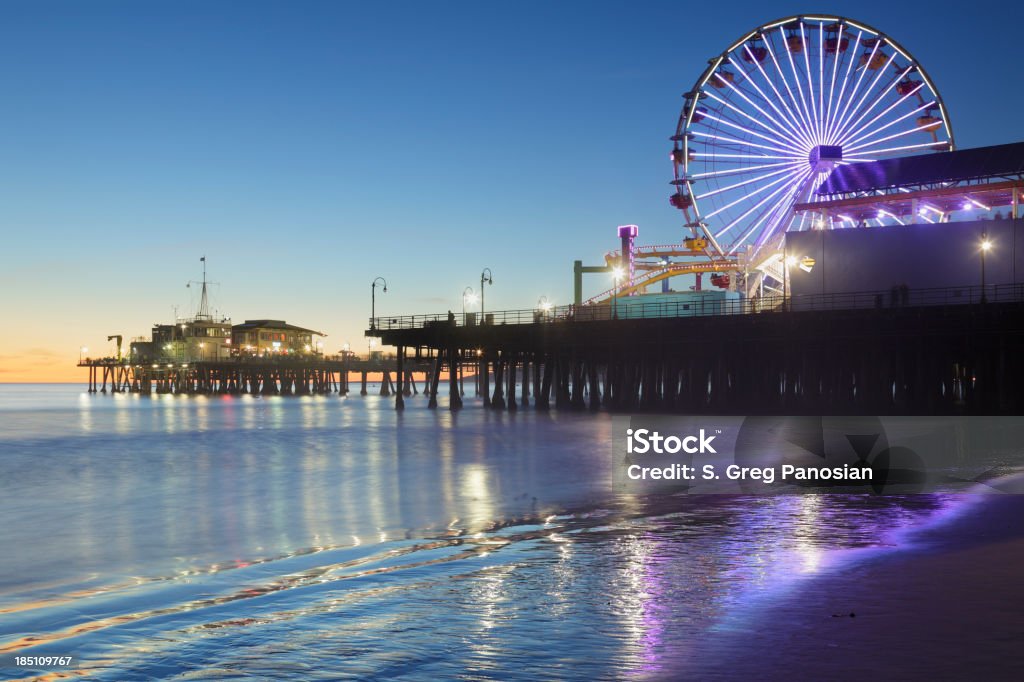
(760, 132)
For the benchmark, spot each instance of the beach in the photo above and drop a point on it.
(947, 605)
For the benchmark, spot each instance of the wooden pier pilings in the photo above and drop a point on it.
(962, 359)
(263, 376)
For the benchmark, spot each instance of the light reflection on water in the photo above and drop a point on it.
(326, 538)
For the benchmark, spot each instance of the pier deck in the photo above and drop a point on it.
(829, 356)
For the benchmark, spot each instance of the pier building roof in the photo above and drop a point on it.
(1004, 161)
(274, 324)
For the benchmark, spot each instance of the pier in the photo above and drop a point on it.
(316, 375)
(954, 351)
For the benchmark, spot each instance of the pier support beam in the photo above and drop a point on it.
(454, 392)
(435, 379)
(400, 375)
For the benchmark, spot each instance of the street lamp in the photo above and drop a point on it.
(82, 351)
(544, 305)
(617, 274)
(787, 263)
(488, 278)
(467, 297)
(373, 300)
(986, 244)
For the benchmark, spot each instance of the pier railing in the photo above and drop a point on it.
(629, 308)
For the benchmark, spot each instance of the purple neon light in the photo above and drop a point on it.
(791, 123)
(746, 195)
(771, 211)
(753, 208)
(748, 181)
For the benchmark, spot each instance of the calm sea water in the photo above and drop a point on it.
(331, 538)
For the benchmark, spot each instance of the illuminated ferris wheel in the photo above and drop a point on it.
(771, 117)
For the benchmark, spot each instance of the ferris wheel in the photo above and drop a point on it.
(771, 117)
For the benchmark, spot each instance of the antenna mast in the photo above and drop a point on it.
(204, 303)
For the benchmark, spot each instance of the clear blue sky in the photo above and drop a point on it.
(306, 148)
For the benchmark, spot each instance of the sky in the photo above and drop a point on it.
(306, 148)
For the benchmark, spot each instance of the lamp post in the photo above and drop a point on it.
(373, 301)
(82, 350)
(488, 278)
(544, 305)
(467, 295)
(787, 263)
(616, 277)
(985, 246)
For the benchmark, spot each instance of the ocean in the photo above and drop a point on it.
(176, 537)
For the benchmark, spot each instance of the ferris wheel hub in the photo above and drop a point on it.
(825, 157)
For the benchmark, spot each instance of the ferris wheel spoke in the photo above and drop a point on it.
(821, 80)
(752, 150)
(782, 209)
(733, 171)
(785, 127)
(829, 137)
(748, 131)
(877, 100)
(856, 86)
(916, 129)
(756, 206)
(766, 215)
(890, 150)
(794, 133)
(832, 87)
(736, 158)
(741, 145)
(871, 88)
(792, 119)
(799, 86)
(810, 84)
(855, 136)
(798, 114)
(779, 132)
(744, 196)
(876, 131)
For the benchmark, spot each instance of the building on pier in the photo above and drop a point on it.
(258, 338)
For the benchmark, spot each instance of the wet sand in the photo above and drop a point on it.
(947, 604)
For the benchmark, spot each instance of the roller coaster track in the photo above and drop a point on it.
(658, 251)
(720, 265)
